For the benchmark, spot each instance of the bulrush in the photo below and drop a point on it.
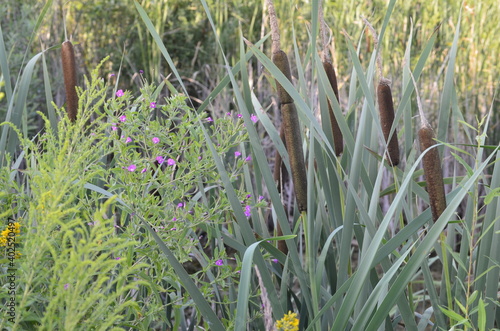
(290, 117)
(386, 108)
(432, 164)
(432, 171)
(386, 112)
(338, 140)
(69, 71)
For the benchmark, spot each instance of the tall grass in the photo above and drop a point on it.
(352, 262)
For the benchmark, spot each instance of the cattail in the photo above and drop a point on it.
(432, 171)
(385, 107)
(290, 123)
(338, 140)
(279, 173)
(432, 165)
(386, 112)
(69, 71)
(280, 59)
(294, 148)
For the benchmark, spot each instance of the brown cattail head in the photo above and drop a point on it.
(294, 147)
(338, 140)
(69, 71)
(280, 59)
(386, 111)
(433, 172)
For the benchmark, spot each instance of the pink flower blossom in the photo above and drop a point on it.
(254, 118)
(143, 170)
(171, 162)
(128, 140)
(119, 93)
(247, 211)
(122, 118)
(160, 159)
(131, 167)
(155, 140)
(236, 154)
(219, 262)
(152, 105)
(209, 119)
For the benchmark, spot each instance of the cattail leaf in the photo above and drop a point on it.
(408, 271)
(449, 86)
(8, 142)
(48, 97)
(4, 68)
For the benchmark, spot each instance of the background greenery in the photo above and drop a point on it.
(358, 259)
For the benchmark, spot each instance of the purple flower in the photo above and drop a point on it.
(141, 71)
(219, 262)
(155, 140)
(247, 211)
(254, 118)
(180, 205)
(143, 170)
(236, 154)
(111, 75)
(122, 118)
(114, 127)
(209, 119)
(128, 140)
(66, 286)
(152, 105)
(275, 260)
(248, 158)
(171, 162)
(249, 196)
(117, 258)
(174, 219)
(240, 116)
(228, 114)
(160, 159)
(261, 198)
(131, 167)
(119, 93)
(173, 229)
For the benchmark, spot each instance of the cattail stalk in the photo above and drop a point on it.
(69, 71)
(385, 107)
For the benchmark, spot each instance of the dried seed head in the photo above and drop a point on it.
(386, 111)
(338, 140)
(294, 148)
(433, 172)
(69, 71)
(280, 59)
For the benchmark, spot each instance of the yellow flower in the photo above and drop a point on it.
(5, 233)
(289, 322)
